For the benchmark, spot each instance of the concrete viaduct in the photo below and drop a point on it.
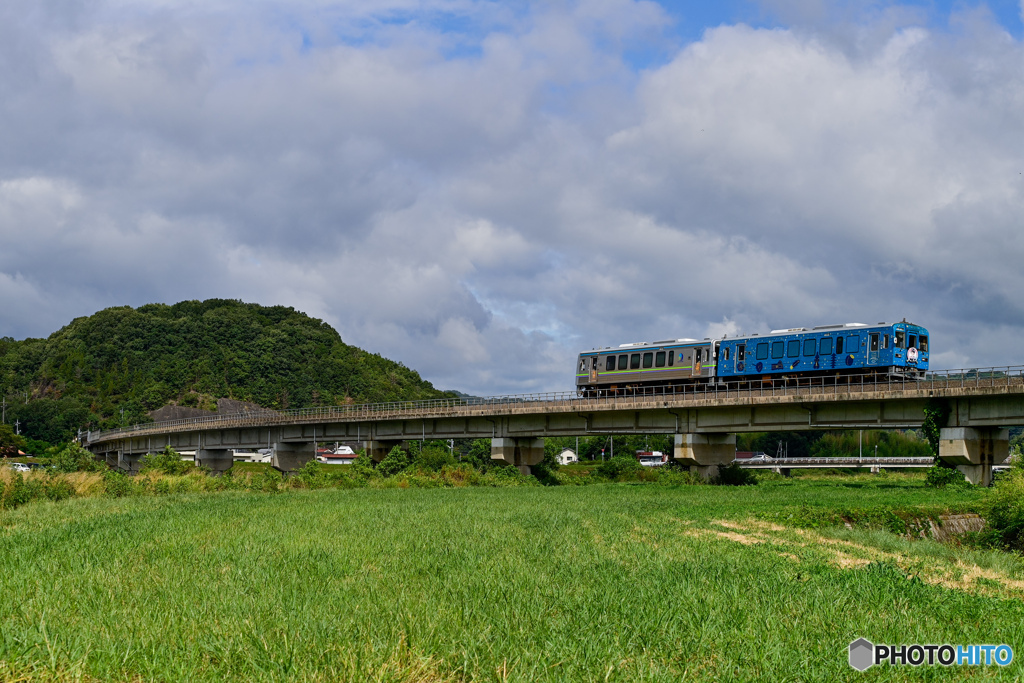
(980, 406)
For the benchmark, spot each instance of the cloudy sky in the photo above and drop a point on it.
(482, 189)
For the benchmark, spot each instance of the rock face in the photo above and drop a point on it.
(225, 406)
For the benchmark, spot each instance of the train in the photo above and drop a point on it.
(796, 355)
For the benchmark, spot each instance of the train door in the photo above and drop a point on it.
(873, 349)
(696, 366)
(593, 370)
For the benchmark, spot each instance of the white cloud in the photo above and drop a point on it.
(481, 203)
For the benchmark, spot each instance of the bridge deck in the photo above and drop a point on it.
(994, 383)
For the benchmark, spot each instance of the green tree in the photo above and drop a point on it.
(10, 442)
(394, 462)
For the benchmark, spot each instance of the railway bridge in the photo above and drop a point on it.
(975, 408)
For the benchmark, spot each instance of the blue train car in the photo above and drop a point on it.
(900, 349)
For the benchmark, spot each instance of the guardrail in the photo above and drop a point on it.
(836, 462)
(440, 407)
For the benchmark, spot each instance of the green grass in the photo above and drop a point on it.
(604, 582)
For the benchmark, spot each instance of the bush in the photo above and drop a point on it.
(117, 484)
(1004, 510)
(939, 476)
(434, 459)
(734, 475)
(394, 462)
(619, 467)
(74, 458)
(167, 461)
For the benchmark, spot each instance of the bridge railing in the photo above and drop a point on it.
(726, 388)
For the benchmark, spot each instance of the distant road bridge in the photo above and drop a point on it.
(784, 465)
(704, 419)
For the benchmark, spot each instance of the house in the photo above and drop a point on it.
(342, 455)
(651, 458)
(567, 456)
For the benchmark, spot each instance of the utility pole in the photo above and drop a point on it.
(17, 427)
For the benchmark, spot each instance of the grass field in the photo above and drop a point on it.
(609, 582)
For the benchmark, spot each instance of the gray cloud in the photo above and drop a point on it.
(483, 202)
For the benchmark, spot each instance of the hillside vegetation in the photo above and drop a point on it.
(189, 354)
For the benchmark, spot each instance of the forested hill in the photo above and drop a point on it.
(188, 354)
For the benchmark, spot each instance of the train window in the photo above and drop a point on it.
(659, 359)
(609, 364)
(853, 344)
(634, 361)
(623, 362)
(885, 341)
(793, 348)
(648, 359)
(924, 344)
(899, 339)
(874, 343)
(810, 347)
(583, 364)
(671, 357)
(707, 355)
(839, 344)
(762, 351)
(825, 346)
(741, 352)
(778, 349)
(912, 341)
(725, 353)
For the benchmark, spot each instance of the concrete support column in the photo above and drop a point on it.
(378, 450)
(129, 463)
(705, 453)
(289, 457)
(974, 450)
(522, 452)
(219, 460)
(111, 458)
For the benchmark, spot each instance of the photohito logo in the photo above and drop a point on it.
(864, 655)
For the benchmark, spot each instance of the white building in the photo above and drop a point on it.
(567, 456)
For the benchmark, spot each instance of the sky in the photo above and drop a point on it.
(481, 190)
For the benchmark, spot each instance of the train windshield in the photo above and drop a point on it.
(899, 338)
(924, 343)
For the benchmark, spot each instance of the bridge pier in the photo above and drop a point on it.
(705, 453)
(378, 450)
(522, 452)
(289, 456)
(219, 460)
(974, 450)
(129, 463)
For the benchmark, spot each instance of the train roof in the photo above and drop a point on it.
(790, 330)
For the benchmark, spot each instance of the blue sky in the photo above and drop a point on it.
(693, 17)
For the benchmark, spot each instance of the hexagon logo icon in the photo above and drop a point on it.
(861, 654)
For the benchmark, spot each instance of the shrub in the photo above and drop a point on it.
(167, 461)
(363, 466)
(117, 484)
(734, 475)
(619, 467)
(394, 462)
(1004, 509)
(74, 458)
(434, 459)
(939, 476)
